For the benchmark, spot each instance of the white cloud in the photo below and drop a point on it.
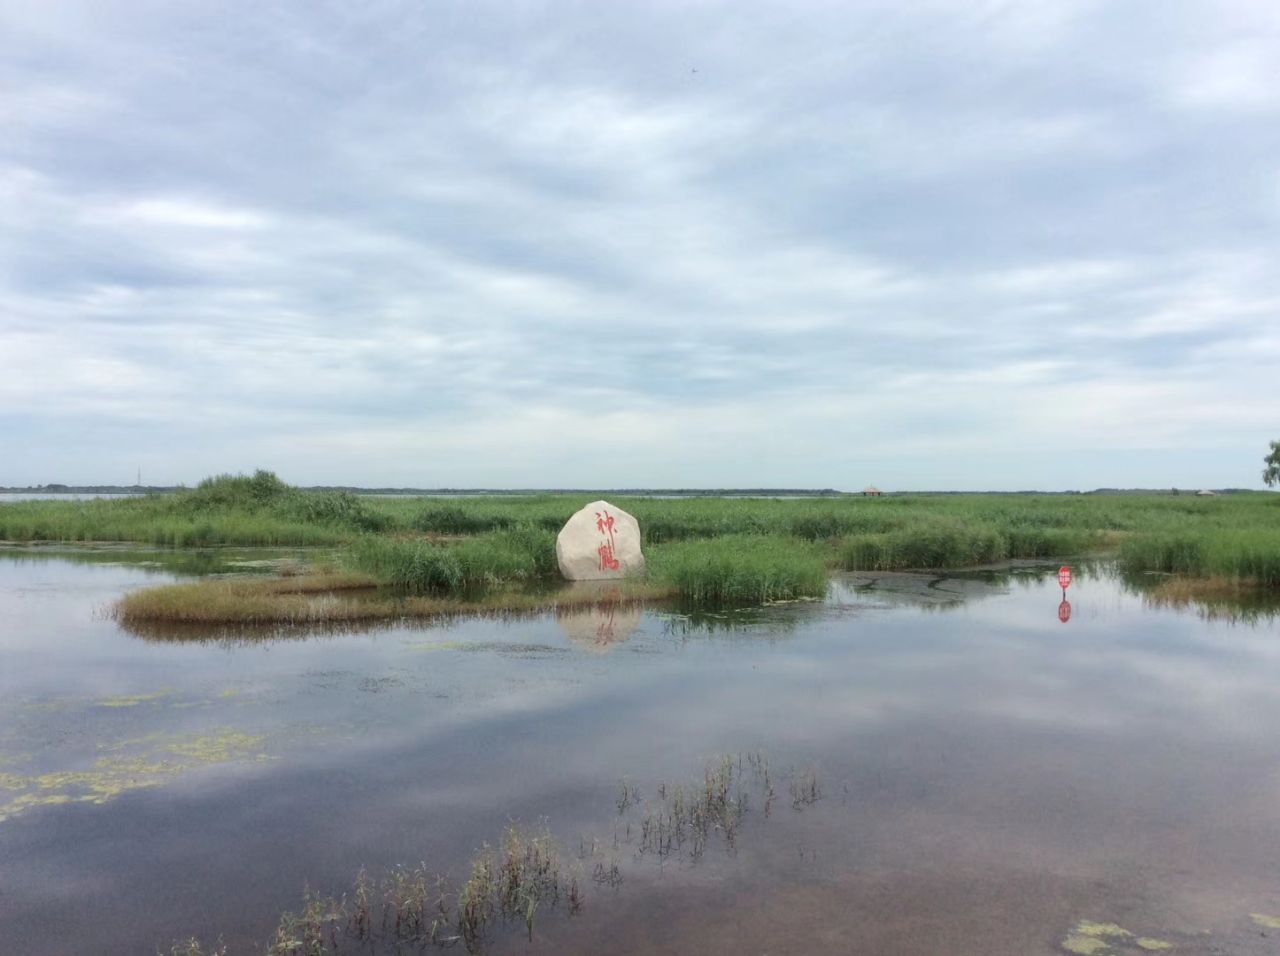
(1239, 76)
(544, 252)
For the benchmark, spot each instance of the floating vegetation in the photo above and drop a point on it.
(125, 767)
(1088, 938)
(131, 701)
(1265, 921)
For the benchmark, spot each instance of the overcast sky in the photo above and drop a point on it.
(927, 245)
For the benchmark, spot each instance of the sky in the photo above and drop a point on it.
(449, 243)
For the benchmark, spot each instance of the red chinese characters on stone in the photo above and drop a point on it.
(604, 524)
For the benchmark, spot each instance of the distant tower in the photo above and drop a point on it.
(139, 476)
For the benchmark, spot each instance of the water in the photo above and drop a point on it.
(989, 777)
(7, 496)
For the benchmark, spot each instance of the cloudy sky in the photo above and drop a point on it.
(454, 243)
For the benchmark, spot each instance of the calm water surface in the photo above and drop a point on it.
(989, 776)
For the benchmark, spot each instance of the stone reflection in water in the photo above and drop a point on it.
(599, 627)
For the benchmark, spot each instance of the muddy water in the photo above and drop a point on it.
(991, 780)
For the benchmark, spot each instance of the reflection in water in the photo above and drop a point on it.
(761, 623)
(599, 628)
(185, 562)
(1212, 600)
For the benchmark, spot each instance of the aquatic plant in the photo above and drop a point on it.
(427, 567)
(804, 789)
(944, 542)
(193, 947)
(684, 817)
(740, 569)
(524, 876)
(1240, 554)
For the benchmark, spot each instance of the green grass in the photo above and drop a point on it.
(713, 551)
(241, 510)
(421, 566)
(739, 569)
(945, 541)
(1235, 555)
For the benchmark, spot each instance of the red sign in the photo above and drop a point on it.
(604, 524)
(1064, 611)
(1064, 577)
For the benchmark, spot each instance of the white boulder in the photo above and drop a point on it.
(598, 543)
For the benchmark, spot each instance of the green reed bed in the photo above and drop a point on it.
(711, 550)
(1251, 555)
(261, 509)
(422, 566)
(950, 542)
(740, 569)
(731, 569)
(243, 510)
(144, 523)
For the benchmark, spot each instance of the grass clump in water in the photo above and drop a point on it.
(193, 947)
(739, 569)
(686, 815)
(523, 878)
(415, 908)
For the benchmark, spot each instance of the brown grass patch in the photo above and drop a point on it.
(347, 598)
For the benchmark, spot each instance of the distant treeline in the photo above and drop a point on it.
(58, 489)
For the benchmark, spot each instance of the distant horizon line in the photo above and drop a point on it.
(60, 488)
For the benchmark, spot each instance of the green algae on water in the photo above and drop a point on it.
(131, 700)
(1084, 945)
(152, 762)
(1088, 938)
